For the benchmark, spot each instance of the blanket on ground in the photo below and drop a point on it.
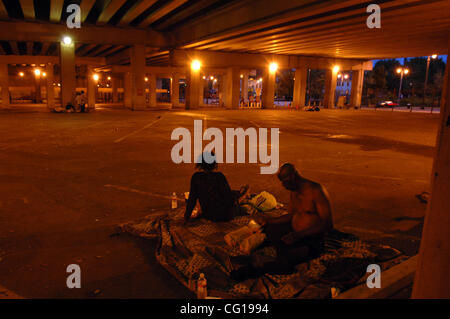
(186, 250)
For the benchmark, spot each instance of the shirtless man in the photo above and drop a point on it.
(308, 219)
(309, 211)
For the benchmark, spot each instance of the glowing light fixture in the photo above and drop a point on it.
(211, 77)
(434, 56)
(21, 74)
(346, 76)
(109, 78)
(67, 40)
(37, 72)
(336, 69)
(406, 71)
(242, 76)
(399, 70)
(146, 79)
(204, 77)
(195, 65)
(273, 67)
(95, 77)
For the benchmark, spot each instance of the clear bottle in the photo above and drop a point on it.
(201, 287)
(174, 201)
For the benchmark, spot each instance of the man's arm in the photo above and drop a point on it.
(193, 196)
(315, 222)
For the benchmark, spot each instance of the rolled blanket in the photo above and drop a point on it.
(246, 238)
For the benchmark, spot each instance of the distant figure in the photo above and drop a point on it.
(78, 101)
(308, 220)
(217, 201)
(83, 102)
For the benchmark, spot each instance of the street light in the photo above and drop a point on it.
(273, 67)
(402, 71)
(336, 69)
(195, 65)
(434, 56)
(67, 40)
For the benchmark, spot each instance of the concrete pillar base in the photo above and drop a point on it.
(4, 84)
(330, 89)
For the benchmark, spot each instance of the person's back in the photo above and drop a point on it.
(214, 194)
(212, 190)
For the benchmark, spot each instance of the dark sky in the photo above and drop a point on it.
(402, 60)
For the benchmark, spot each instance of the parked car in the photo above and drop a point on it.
(386, 104)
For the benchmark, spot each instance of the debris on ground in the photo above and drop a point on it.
(423, 197)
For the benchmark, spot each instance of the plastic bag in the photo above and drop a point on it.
(264, 201)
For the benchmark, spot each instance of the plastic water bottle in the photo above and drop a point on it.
(201, 287)
(174, 201)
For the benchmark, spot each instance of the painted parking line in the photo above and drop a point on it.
(367, 176)
(137, 191)
(137, 131)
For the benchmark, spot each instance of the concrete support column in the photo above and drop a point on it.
(221, 90)
(127, 87)
(193, 89)
(91, 87)
(244, 79)
(431, 278)
(49, 86)
(330, 89)
(37, 88)
(357, 86)
(175, 90)
(300, 83)
(4, 84)
(268, 89)
(232, 88)
(68, 85)
(152, 90)
(138, 76)
(115, 96)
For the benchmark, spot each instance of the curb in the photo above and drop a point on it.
(392, 280)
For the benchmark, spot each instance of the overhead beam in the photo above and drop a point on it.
(161, 12)
(135, 11)
(28, 9)
(31, 31)
(86, 6)
(247, 60)
(42, 59)
(3, 12)
(56, 7)
(109, 11)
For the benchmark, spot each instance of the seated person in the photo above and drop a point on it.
(308, 219)
(217, 201)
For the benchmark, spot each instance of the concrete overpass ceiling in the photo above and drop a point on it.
(142, 14)
(330, 28)
(325, 28)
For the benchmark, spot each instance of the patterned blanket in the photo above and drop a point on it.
(186, 250)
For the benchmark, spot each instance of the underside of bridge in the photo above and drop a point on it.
(135, 42)
(138, 41)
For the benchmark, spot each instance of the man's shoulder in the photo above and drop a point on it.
(311, 185)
